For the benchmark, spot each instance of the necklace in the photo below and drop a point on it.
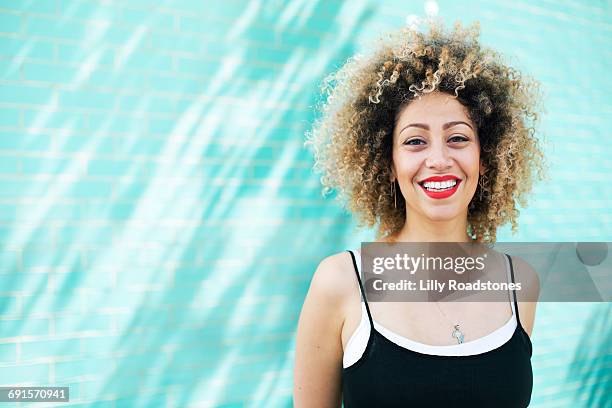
(456, 334)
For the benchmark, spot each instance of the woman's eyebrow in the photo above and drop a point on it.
(444, 127)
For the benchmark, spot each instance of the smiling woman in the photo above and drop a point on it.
(370, 101)
(432, 137)
(437, 165)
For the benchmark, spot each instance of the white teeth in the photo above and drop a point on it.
(439, 185)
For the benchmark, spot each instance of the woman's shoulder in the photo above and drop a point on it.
(529, 292)
(523, 271)
(334, 279)
(528, 277)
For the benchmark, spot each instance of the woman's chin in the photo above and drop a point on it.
(442, 214)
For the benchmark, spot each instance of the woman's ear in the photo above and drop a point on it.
(483, 169)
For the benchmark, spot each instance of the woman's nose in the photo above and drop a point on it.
(438, 158)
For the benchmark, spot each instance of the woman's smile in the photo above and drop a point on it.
(437, 152)
(440, 190)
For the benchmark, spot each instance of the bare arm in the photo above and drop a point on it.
(318, 353)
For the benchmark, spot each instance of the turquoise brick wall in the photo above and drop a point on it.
(159, 222)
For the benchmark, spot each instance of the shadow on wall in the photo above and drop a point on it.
(590, 367)
(222, 353)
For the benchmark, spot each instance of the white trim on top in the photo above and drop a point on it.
(359, 339)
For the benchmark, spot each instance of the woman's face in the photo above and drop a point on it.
(436, 157)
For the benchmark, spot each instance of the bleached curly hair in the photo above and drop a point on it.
(352, 138)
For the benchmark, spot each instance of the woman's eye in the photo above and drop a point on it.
(459, 139)
(410, 142)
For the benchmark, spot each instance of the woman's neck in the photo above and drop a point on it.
(432, 231)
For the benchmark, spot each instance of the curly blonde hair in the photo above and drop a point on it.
(352, 138)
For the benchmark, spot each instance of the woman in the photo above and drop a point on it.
(432, 138)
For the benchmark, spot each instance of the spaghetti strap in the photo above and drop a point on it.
(361, 288)
(513, 290)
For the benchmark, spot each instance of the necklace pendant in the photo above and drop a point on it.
(457, 334)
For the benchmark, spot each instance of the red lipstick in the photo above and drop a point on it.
(442, 193)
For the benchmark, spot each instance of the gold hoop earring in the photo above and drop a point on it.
(481, 185)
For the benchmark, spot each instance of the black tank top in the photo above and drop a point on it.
(388, 375)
